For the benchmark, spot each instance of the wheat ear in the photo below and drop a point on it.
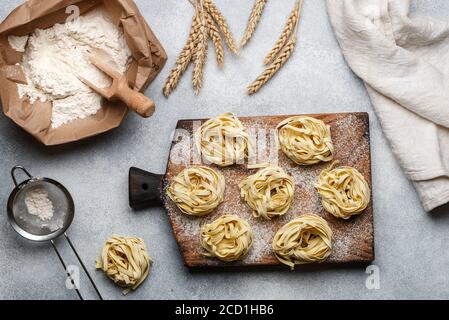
(200, 50)
(222, 24)
(269, 73)
(253, 21)
(214, 35)
(289, 29)
(183, 60)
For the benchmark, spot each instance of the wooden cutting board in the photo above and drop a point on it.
(353, 239)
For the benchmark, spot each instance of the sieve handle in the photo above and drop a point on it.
(82, 265)
(65, 268)
(13, 174)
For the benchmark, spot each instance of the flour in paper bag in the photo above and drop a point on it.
(55, 57)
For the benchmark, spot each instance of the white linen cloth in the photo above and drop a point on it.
(404, 63)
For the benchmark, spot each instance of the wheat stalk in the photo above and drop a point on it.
(200, 50)
(214, 35)
(253, 21)
(222, 24)
(289, 29)
(269, 73)
(183, 60)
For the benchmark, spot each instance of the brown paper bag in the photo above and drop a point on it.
(149, 59)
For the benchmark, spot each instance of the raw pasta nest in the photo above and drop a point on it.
(344, 192)
(269, 192)
(125, 261)
(307, 239)
(306, 140)
(229, 238)
(223, 141)
(197, 191)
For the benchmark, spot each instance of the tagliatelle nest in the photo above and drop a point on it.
(223, 141)
(269, 192)
(229, 238)
(306, 140)
(197, 191)
(307, 239)
(344, 191)
(125, 261)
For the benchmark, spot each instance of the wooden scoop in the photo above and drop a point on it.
(120, 90)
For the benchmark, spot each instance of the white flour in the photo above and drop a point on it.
(54, 57)
(39, 205)
(18, 43)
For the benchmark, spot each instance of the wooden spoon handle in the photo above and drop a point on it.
(137, 101)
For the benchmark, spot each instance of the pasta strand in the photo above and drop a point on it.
(125, 261)
(306, 140)
(229, 238)
(307, 239)
(197, 191)
(344, 192)
(269, 192)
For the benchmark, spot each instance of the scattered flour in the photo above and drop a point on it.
(54, 57)
(39, 205)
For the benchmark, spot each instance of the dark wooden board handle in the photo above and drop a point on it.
(144, 189)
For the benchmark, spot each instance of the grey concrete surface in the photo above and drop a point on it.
(411, 245)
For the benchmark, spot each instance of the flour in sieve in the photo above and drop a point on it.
(54, 57)
(38, 204)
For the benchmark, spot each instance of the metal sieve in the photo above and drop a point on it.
(33, 228)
